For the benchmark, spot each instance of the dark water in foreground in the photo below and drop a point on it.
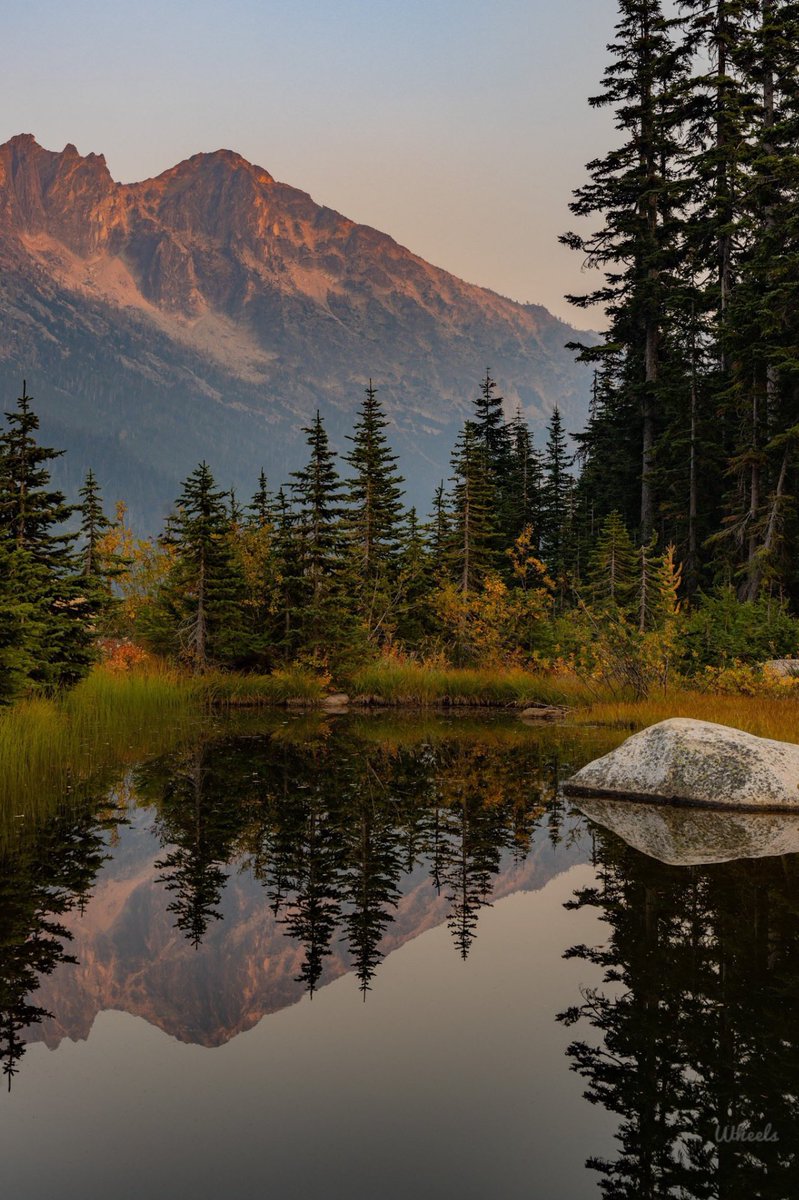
(380, 958)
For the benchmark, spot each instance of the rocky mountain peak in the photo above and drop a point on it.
(221, 307)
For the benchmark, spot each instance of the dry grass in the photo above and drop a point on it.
(415, 683)
(766, 716)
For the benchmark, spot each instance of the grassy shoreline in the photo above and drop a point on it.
(51, 749)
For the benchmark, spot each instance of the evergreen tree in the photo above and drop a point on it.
(319, 545)
(22, 622)
(523, 483)
(260, 510)
(93, 524)
(200, 611)
(439, 532)
(374, 492)
(42, 567)
(637, 191)
(555, 498)
(472, 541)
(30, 509)
(612, 567)
(374, 519)
(415, 579)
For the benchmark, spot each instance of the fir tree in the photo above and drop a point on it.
(200, 609)
(260, 510)
(32, 514)
(374, 492)
(93, 524)
(472, 541)
(319, 546)
(523, 483)
(637, 191)
(555, 498)
(612, 567)
(374, 519)
(439, 531)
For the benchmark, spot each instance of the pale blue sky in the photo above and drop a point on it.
(457, 126)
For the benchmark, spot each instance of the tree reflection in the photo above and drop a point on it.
(43, 876)
(334, 826)
(198, 820)
(346, 831)
(698, 1052)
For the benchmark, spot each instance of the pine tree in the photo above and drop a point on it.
(472, 549)
(374, 492)
(612, 566)
(200, 613)
(555, 498)
(490, 428)
(374, 520)
(319, 542)
(43, 561)
(637, 192)
(22, 625)
(98, 568)
(93, 524)
(260, 510)
(416, 580)
(523, 483)
(29, 508)
(439, 531)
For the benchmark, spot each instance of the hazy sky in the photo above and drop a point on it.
(457, 126)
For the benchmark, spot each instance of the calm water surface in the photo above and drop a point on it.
(378, 957)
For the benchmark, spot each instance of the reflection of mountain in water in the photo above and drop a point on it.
(255, 869)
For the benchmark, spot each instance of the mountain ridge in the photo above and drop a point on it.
(208, 311)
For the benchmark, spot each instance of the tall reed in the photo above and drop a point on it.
(51, 748)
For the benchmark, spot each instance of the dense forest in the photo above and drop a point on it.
(693, 431)
(663, 542)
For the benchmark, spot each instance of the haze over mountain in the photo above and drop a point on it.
(208, 312)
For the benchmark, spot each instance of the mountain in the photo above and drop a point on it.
(208, 312)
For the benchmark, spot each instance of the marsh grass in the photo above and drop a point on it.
(250, 691)
(53, 749)
(766, 716)
(416, 683)
(50, 749)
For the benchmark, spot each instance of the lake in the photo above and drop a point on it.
(379, 956)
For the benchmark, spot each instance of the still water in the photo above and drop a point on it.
(372, 957)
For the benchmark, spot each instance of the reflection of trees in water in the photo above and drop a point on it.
(334, 828)
(697, 1027)
(330, 827)
(200, 825)
(43, 876)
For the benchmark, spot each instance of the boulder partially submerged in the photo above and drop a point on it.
(682, 761)
(693, 837)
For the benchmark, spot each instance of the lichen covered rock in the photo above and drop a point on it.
(682, 761)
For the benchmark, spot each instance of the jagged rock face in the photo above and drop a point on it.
(210, 311)
(698, 763)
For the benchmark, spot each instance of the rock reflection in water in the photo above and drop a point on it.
(682, 836)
